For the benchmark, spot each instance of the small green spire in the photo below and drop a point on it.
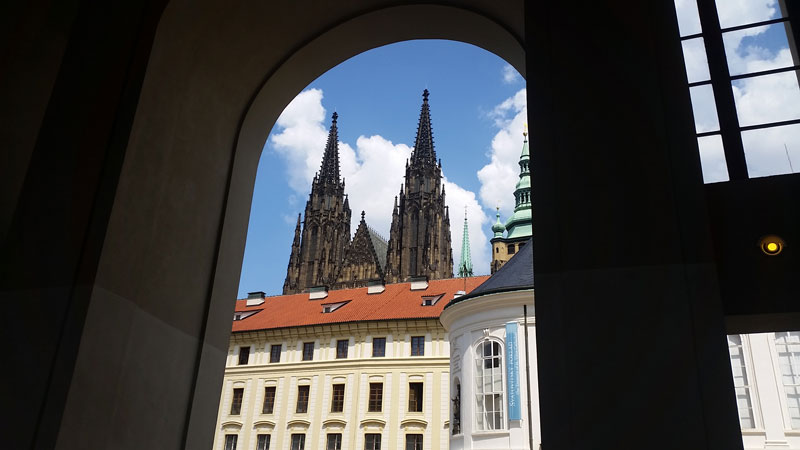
(498, 228)
(465, 266)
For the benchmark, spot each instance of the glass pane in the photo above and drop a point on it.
(741, 12)
(768, 98)
(688, 19)
(712, 159)
(772, 151)
(756, 49)
(705, 110)
(694, 57)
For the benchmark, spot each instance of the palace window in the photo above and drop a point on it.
(372, 441)
(244, 355)
(236, 403)
(787, 345)
(457, 410)
(511, 249)
(269, 400)
(489, 386)
(302, 399)
(417, 345)
(334, 441)
(337, 399)
(341, 348)
(378, 347)
(263, 442)
(375, 397)
(741, 382)
(275, 353)
(415, 397)
(308, 351)
(230, 441)
(413, 442)
(298, 442)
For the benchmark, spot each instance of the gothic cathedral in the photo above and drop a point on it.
(419, 242)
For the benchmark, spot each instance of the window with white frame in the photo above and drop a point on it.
(787, 345)
(230, 441)
(741, 382)
(489, 386)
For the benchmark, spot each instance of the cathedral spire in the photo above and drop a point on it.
(465, 266)
(423, 146)
(329, 170)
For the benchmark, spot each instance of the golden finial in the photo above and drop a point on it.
(525, 130)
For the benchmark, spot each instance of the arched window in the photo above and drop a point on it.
(489, 386)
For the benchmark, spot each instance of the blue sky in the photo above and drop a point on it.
(478, 112)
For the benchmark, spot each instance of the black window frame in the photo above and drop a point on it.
(236, 403)
(337, 398)
(414, 442)
(342, 345)
(269, 400)
(244, 355)
(416, 392)
(308, 351)
(275, 351)
(333, 441)
(231, 441)
(375, 399)
(303, 394)
(298, 441)
(382, 347)
(417, 345)
(376, 441)
(263, 441)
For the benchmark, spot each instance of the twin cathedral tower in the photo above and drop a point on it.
(419, 237)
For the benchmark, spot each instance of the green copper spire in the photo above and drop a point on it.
(519, 224)
(498, 228)
(465, 266)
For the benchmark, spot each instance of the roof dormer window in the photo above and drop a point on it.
(331, 307)
(430, 300)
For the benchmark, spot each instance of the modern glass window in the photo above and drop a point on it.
(742, 71)
(787, 345)
(244, 355)
(375, 397)
(417, 345)
(230, 441)
(275, 353)
(372, 441)
(334, 441)
(489, 386)
(741, 382)
(236, 402)
(378, 347)
(298, 442)
(302, 398)
(308, 351)
(341, 348)
(337, 398)
(262, 442)
(269, 400)
(415, 397)
(413, 442)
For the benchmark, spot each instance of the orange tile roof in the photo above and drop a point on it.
(398, 301)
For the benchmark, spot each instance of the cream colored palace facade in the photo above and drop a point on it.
(415, 355)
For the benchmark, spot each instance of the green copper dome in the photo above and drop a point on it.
(498, 227)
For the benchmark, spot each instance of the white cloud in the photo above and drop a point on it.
(499, 177)
(510, 74)
(477, 221)
(373, 172)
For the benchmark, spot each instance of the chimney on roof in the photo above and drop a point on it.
(375, 287)
(317, 292)
(419, 283)
(255, 298)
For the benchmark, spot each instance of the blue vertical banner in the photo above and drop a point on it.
(512, 372)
